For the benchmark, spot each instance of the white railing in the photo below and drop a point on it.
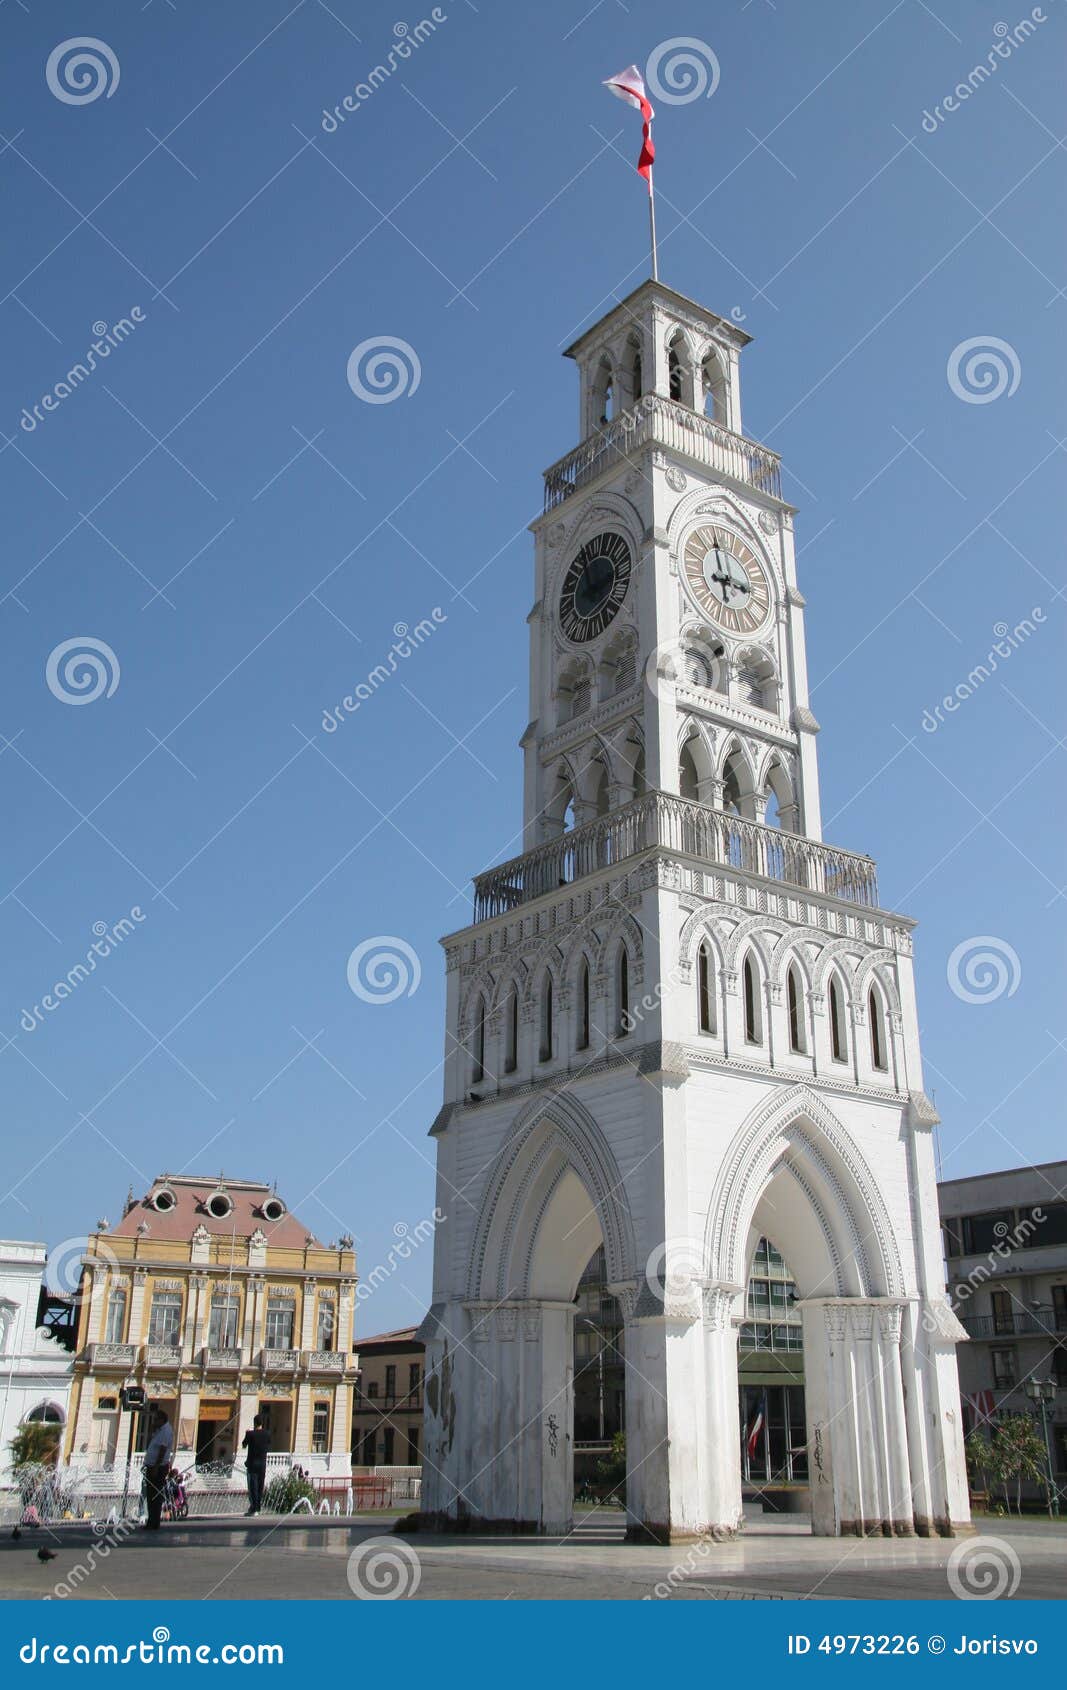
(663, 422)
(692, 829)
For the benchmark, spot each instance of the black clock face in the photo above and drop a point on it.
(594, 587)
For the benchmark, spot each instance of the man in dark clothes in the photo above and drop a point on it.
(256, 1444)
(156, 1467)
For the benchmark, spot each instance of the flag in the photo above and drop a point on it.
(753, 1436)
(629, 85)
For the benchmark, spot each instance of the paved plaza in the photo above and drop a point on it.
(310, 1561)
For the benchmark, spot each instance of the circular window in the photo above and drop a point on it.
(273, 1209)
(164, 1200)
(219, 1205)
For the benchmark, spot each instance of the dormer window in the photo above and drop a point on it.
(273, 1209)
(164, 1200)
(219, 1205)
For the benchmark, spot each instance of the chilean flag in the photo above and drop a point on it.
(753, 1436)
(629, 86)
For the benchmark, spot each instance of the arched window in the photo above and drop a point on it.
(688, 780)
(796, 1018)
(876, 1017)
(603, 394)
(713, 386)
(115, 1326)
(583, 1005)
(750, 982)
(46, 1414)
(478, 1043)
(622, 992)
(674, 372)
(546, 1019)
(637, 381)
(838, 1037)
(705, 1001)
(511, 1032)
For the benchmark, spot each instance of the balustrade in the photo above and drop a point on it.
(693, 830)
(663, 422)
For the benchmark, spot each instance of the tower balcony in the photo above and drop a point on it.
(659, 819)
(654, 421)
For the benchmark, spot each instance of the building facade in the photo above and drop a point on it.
(387, 1409)
(216, 1299)
(680, 1021)
(35, 1362)
(1006, 1254)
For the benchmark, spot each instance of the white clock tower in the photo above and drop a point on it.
(681, 1022)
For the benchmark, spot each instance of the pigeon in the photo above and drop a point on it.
(46, 1555)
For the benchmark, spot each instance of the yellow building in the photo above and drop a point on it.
(216, 1299)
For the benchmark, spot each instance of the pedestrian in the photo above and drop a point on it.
(156, 1467)
(256, 1444)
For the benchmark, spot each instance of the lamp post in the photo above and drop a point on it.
(1042, 1392)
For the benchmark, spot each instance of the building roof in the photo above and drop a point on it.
(625, 307)
(404, 1335)
(191, 1209)
(1005, 1173)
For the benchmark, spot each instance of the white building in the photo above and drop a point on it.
(36, 1368)
(681, 1021)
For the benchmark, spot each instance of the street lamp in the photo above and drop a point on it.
(1042, 1392)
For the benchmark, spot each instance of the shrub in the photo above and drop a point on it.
(285, 1491)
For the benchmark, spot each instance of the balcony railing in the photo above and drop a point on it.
(279, 1361)
(1006, 1326)
(677, 824)
(163, 1355)
(325, 1361)
(663, 422)
(111, 1355)
(215, 1357)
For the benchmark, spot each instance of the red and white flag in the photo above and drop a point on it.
(629, 85)
(753, 1436)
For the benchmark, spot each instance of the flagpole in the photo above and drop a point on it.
(652, 226)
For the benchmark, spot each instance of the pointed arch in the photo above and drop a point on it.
(752, 997)
(714, 386)
(477, 1044)
(707, 1017)
(837, 1002)
(626, 930)
(878, 1029)
(759, 931)
(843, 1245)
(584, 1030)
(550, 1138)
(511, 1028)
(546, 999)
(795, 1010)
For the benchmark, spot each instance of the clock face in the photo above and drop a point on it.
(594, 587)
(726, 579)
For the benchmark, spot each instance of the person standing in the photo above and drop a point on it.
(256, 1445)
(156, 1467)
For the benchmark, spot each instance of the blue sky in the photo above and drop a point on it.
(217, 506)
